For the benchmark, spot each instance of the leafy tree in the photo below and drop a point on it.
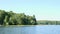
(2, 16)
(11, 18)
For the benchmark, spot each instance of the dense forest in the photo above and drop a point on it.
(11, 18)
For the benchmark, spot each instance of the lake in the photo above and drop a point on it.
(38, 29)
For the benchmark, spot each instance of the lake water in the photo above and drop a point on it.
(39, 29)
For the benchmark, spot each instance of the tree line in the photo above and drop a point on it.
(11, 18)
(47, 22)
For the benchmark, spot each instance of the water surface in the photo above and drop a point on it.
(39, 29)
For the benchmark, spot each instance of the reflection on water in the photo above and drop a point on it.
(47, 29)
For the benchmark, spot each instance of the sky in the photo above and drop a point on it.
(42, 9)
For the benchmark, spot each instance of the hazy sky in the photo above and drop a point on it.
(42, 9)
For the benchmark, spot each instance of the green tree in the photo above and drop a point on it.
(2, 16)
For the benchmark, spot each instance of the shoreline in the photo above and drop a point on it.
(24, 25)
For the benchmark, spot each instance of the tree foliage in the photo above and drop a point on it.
(11, 18)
